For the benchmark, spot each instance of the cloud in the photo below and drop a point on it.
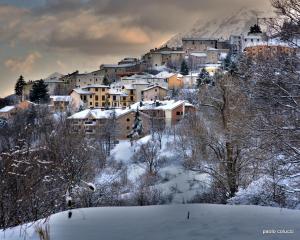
(82, 34)
(22, 65)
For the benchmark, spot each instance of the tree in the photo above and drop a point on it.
(287, 24)
(19, 87)
(39, 92)
(106, 81)
(274, 85)
(216, 141)
(255, 29)
(148, 153)
(137, 128)
(203, 78)
(184, 70)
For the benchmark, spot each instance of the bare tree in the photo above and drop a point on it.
(287, 24)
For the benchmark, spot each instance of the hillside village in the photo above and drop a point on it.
(158, 77)
(207, 120)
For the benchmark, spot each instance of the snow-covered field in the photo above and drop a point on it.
(207, 222)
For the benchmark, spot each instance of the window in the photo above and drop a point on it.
(128, 128)
(91, 103)
(127, 119)
(178, 113)
(131, 98)
(91, 96)
(103, 89)
(84, 98)
(96, 97)
(103, 98)
(114, 98)
(96, 104)
(96, 89)
(156, 90)
(124, 98)
(131, 92)
(103, 104)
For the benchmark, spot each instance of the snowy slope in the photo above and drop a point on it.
(234, 23)
(207, 222)
(177, 181)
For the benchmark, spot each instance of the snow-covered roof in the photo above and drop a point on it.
(129, 86)
(99, 114)
(82, 92)
(212, 65)
(95, 86)
(61, 98)
(138, 76)
(164, 74)
(116, 92)
(154, 86)
(7, 109)
(158, 105)
(198, 54)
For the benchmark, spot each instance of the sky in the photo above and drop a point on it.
(39, 37)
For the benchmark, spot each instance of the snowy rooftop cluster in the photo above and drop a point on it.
(99, 114)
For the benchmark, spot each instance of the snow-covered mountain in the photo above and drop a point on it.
(221, 26)
(53, 77)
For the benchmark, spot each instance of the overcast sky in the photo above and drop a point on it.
(39, 37)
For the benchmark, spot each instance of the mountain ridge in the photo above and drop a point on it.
(235, 23)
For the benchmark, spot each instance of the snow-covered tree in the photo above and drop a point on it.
(184, 70)
(137, 128)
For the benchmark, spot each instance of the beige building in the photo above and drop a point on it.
(91, 96)
(115, 71)
(198, 44)
(164, 113)
(164, 56)
(155, 92)
(60, 103)
(98, 123)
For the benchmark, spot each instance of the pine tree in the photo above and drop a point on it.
(106, 81)
(19, 87)
(137, 128)
(255, 29)
(184, 70)
(39, 92)
(203, 78)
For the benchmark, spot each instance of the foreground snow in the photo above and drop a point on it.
(170, 222)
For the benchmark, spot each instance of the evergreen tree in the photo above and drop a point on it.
(255, 29)
(106, 81)
(19, 87)
(203, 78)
(229, 64)
(184, 70)
(137, 128)
(39, 92)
